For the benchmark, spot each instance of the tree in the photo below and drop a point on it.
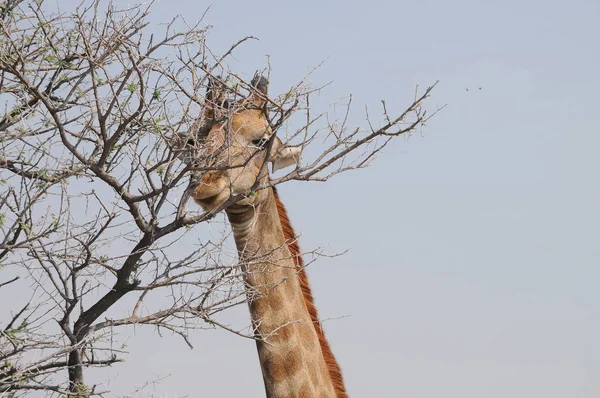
(96, 118)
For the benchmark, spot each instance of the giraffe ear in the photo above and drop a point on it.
(284, 156)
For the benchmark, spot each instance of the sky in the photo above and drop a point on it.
(472, 263)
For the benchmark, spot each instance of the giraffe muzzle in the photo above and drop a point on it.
(210, 186)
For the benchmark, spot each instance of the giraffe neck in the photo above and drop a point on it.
(288, 346)
(335, 373)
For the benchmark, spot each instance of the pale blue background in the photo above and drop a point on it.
(473, 263)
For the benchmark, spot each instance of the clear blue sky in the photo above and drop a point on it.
(473, 263)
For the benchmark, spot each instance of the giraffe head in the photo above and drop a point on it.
(236, 146)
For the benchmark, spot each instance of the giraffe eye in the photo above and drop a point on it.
(260, 143)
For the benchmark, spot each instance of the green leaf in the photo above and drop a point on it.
(132, 87)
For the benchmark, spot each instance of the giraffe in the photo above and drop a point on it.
(294, 355)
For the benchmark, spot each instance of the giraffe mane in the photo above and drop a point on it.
(290, 236)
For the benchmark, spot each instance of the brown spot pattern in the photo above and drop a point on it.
(304, 391)
(283, 367)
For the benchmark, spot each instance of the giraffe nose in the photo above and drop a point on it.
(210, 185)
